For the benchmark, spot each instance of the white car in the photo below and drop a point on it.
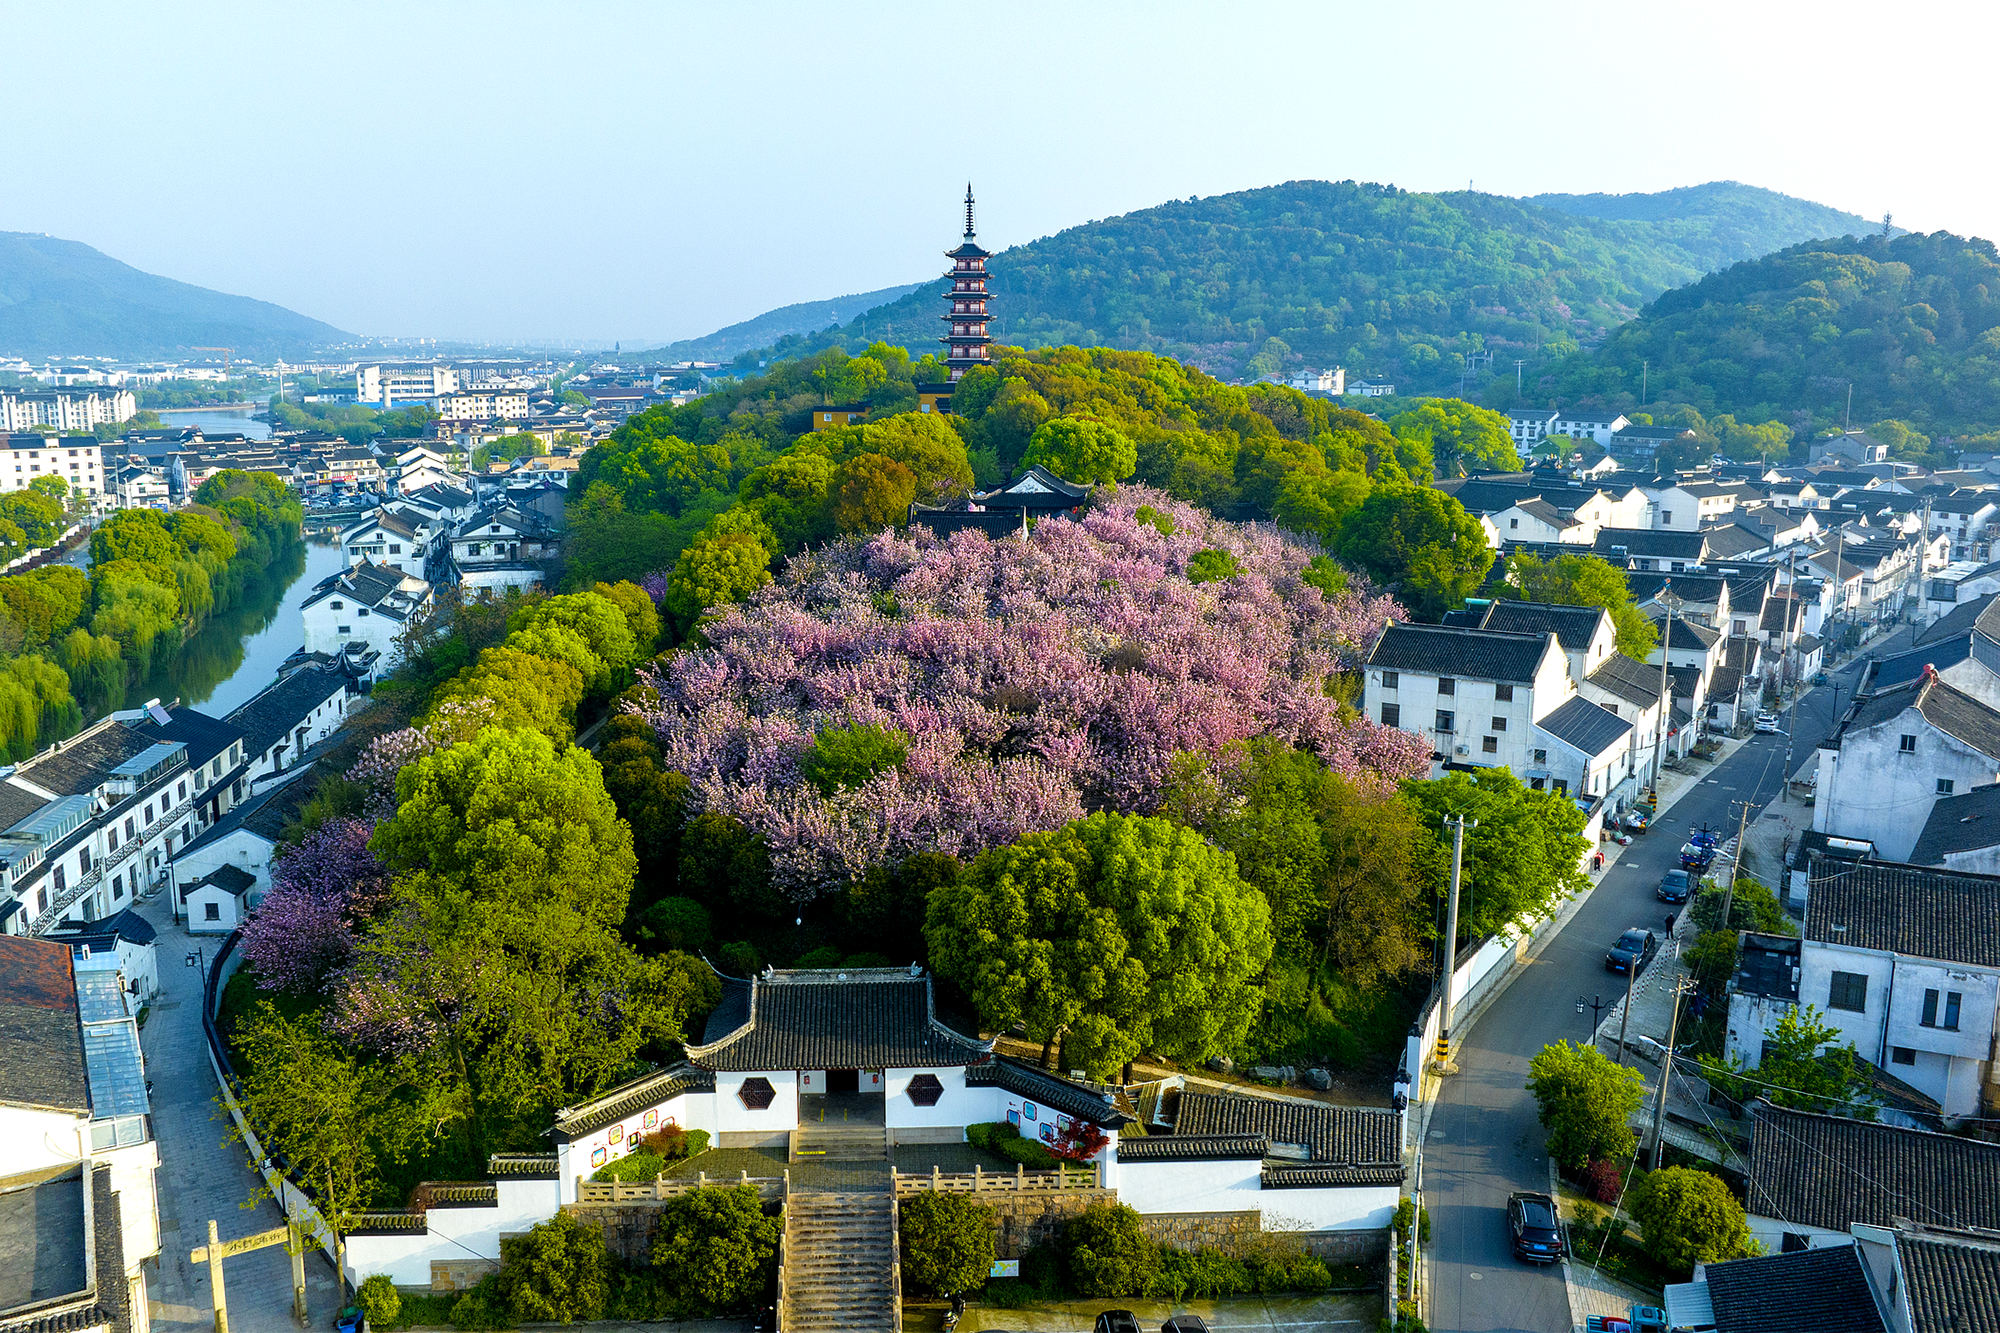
(1767, 722)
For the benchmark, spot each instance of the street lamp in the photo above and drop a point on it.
(1597, 1006)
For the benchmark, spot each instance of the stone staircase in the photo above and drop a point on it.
(837, 1141)
(840, 1264)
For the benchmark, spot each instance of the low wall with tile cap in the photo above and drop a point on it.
(1023, 1221)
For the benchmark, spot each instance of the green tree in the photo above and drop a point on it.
(54, 487)
(558, 1272)
(843, 758)
(518, 689)
(947, 1242)
(138, 535)
(926, 444)
(1418, 543)
(1114, 935)
(1802, 1066)
(1081, 451)
(1689, 1217)
(642, 617)
(1522, 859)
(1751, 907)
(379, 1300)
(598, 624)
(1583, 580)
(1458, 437)
(714, 1246)
(1586, 1102)
(1108, 1252)
(714, 573)
(870, 492)
(1212, 567)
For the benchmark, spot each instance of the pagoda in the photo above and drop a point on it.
(966, 339)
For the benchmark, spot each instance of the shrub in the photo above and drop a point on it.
(842, 758)
(1109, 1253)
(1003, 1139)
(947, 1242)
(379, 1300)
(1603, 1181)
(482, 1307)
(1689, 1217)
(654, 1153)
(1212, 566)
(557, 1273)
(1586, 1102)
(715, 1246)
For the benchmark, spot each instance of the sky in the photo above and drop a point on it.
(642, 172)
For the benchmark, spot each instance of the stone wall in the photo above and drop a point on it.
(1191, 1231)
(448, 1275)
(1023, 1221)
(627, 1227)
(1367, 1246)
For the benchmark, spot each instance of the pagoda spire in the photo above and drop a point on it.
(966, 339)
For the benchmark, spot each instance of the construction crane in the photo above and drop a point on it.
(227, 353)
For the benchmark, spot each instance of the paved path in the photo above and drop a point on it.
(203, 1174)
(1484, 1140)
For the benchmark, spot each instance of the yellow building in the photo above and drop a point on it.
(850, 414)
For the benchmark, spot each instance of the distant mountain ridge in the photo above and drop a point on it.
(763, 330)
(1384, 281)
(63, 298)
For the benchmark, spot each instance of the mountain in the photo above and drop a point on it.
(1911, 322)
(767, 328)
(62, 298)
(1380, 280)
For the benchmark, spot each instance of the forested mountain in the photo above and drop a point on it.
(62, 298)
(806, 317)
(1912, 322)
(1381, 280)
(1722, 222)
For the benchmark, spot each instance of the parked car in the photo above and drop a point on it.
(1185, 1323)
(1115, 1321)
(1634, 949)
(1820, 679)
(1767, 723)
(1676, 886)
(1536, 1228)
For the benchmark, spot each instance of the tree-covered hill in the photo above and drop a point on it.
(1381, 280)
(1912, 322)
(63, 298)
(805, 317)
(1722, 222)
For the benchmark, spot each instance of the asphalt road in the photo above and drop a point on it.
(1484, 1140)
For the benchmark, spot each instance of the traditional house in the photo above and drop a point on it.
(1664, 551)
(1963, 833)
(1475, 694)
(369, 605)
(392, 540)
(125, 937)
(1895, 753)
(290, 716)
(1827, 1291)
(501, 547)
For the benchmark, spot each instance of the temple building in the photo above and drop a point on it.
(967, 340)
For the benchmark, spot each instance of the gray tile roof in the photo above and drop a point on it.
(1345, 1142)
(1826, 1171)
(1961, 823)
(1065, 1095)
(634, 1095)
(1949, 709)
(1477, 654)
(1981, 614)
(1687, 634)
(1586, 726)
(524, 1166)
(1573, 626)
(1651, 544)
(1630, 679)
(270, 715)
(1823, 1290)
(1940, 653)
(1731, 539)
(1953, 1282)
(41, 1040)
(1193, 1148)
(876, 1018)
(1913, 910)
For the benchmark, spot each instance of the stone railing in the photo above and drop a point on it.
(671, 1187)
(981, 1181)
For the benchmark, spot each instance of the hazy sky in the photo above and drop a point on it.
(652, 171)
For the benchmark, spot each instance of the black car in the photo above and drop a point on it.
(1536, 1228)
(1185, 1323)
(1634, 949)
(1675, 886)
(1115, 1321)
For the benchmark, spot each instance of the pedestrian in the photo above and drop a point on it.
(1670, 925)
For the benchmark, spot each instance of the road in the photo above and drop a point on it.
(1484, 1140)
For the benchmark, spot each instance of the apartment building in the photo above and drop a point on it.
(401, 385)
(66, 409)
(78, 460)
(483, 405)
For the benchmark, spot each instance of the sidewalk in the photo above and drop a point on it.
(203, 1174)
(1594, 1292)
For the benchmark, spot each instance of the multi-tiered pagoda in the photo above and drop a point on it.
(965, 339)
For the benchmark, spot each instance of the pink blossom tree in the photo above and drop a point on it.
(1034, 681)
(322, 891)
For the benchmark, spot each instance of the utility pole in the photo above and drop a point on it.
(1517, 377)
(1631, 980)
(1666, 1072)
(1793, 604)
(1847, 422)
(1666, 599)
(1645, 371)
(1457, 825)
(1735, 865)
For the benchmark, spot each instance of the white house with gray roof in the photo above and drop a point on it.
(1896, 753)
(1474, 694)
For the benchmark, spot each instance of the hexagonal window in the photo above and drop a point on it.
(925, 1089)
(757, 1093)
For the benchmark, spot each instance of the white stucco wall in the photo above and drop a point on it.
(733, 1117)
(582, 1157)
(455, 1234)
(958, 1106)
(1237, 1186)
(1871, 788)
(1770, 1232)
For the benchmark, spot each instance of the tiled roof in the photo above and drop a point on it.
(127, 925)
(523, 1166)
(1573, 626)
(1687, 634)
(1949, 709)
(41, 1042)
(1823, 1290)
(230, 879)
(1775, 618)
(1585, 726)
(1284, 1176)
(1981, 614)
(1725, 683)
(1630, 679)
(1651, 543)
(1829, 1172)
(635, 1095)
(1336, 1139)
(1193, 1148)
(1913, 910)
(875, 1018)
(1961, 823)
(1065, 1095)
(1460, 653)
(1953, 1282)
(1907, 666)
(1962, 502)
(1731, 539)
(270, 715)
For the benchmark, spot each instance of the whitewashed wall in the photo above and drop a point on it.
(455, 1234)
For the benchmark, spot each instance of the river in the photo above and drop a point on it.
(237, 653)
(220, 420)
